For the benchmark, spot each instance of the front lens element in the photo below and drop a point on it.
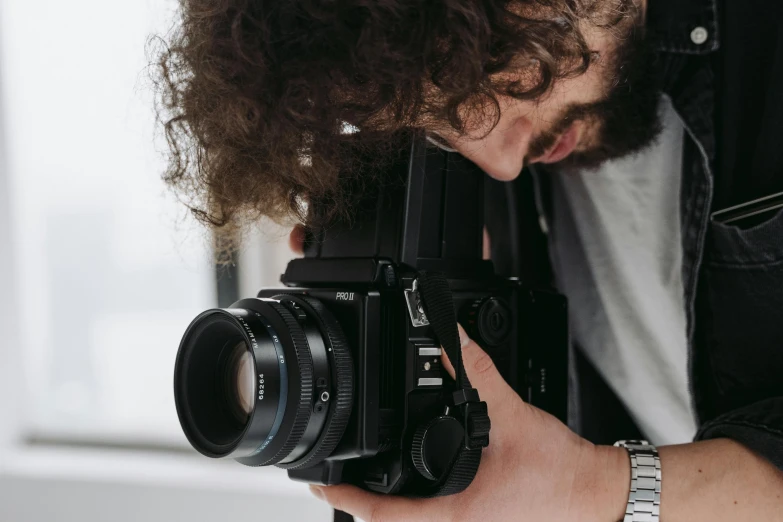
(222, 357)
(245, 383)
(240, 382)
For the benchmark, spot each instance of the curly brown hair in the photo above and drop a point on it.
(255, 96)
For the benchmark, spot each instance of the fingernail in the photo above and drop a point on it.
(317, 491)
(463, 337)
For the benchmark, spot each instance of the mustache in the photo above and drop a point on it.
(544, 142)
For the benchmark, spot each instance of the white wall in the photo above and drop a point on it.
(61, 483)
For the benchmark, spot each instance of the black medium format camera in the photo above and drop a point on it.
(337, 377)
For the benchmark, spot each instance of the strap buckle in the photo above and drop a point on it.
(474, 418)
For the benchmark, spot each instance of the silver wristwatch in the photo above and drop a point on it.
(644, 501)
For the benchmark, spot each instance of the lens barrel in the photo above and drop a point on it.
(302, 382)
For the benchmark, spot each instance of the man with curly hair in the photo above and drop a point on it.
(638, 121)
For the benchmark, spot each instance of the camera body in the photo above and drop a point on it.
(338, 377)
(428, 215)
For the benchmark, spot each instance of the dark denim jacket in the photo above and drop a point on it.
(729, 92)
(722, 66)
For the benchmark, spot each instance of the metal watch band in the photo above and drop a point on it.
(644, 501)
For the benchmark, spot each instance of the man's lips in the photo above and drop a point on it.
(564, 146)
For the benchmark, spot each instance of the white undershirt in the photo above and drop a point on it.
(617, 254)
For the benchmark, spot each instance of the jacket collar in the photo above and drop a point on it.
(683, 26)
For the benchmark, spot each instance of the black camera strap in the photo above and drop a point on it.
(466, 406)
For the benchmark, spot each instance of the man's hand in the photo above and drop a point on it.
(534, 469)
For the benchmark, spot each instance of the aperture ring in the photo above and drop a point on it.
(304, 364)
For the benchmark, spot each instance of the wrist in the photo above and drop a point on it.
(611, 475)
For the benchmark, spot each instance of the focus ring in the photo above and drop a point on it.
(304, 364)
(343, 403)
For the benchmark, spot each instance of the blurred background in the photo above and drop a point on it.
(101, 270)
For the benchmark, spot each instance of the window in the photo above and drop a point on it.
(101, 270)
(109, 270)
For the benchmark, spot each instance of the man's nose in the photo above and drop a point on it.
(501, 153)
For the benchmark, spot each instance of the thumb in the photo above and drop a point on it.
(483, 375)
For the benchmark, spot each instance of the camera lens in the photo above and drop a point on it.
(249, 382)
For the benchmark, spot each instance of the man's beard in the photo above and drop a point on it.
(623, 123)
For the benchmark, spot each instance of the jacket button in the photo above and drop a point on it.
(699, 35)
